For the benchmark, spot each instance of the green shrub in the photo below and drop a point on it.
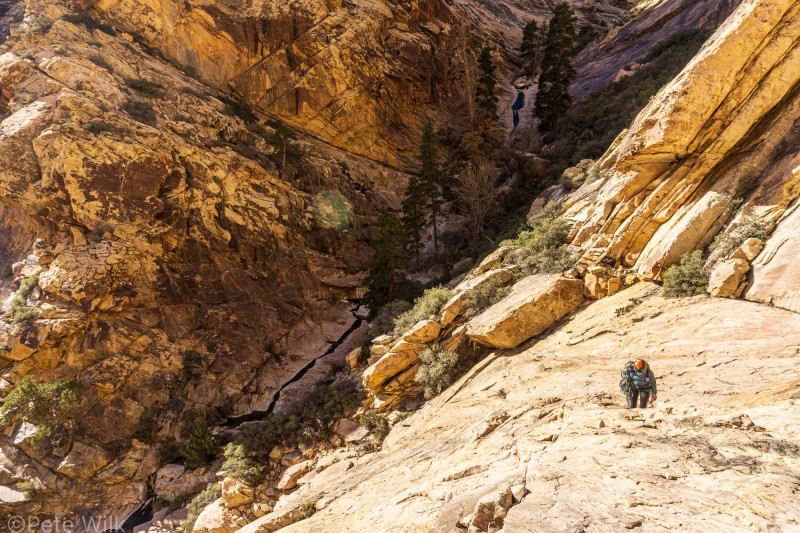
(101, 62)
(243, 464)
(27, 285)
(311, 420)
(40, 25)
(96, 125)
(484, 296)
(438, 369)
(145, 87)
(384, 321)
(201, 447)
(209, 495)
(541, 249)
(327, 403)
(689, 278)
(20, 310)
(375, 423)
(307, 510)
(140, 110)
(726, 243)
(50, 406)
(23, 313)
(426, 306)
(194, 365)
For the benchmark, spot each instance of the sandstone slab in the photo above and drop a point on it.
(534, 304)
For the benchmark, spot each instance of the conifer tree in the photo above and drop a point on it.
(384, 278)
(414, 213)
(532, 47)
(485, 96)
(430, 178)
(552, 98)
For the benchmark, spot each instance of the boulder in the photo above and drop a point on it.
(236, 492)
(749, 249)
(349, 430)
(491, 510)
(534, 304)
(215, 518)
(176, 481)
(353, 358)
(423, 331)
(726, 278)
(292, 474)
(492, 260)
(456, 305)
(400, 357)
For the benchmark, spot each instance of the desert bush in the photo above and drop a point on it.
(437, 370)
(243, 464)
(311, 421)
(726, 243)
(101, 62)
(90, 23)
(194, 365)
(27, 285)
(484, 296)
(427, 305)
(40, 25)
(50, 406)
(208, 495)
(384, 321)
(96, 125)
(375, 423)
(140, 110)
(688, 278)
(201, 447)
(306, 510)
(145, 87)
(541, 249)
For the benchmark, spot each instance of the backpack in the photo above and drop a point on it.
(626, 385)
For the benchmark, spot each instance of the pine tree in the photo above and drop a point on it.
(485, 96)
(532, 46)
(414, 213)
(552, 98)
(383, 279)
(430, 179)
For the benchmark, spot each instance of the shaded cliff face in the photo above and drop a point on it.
(179, 275)
(358, 75)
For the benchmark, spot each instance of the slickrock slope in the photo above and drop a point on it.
(537, 439)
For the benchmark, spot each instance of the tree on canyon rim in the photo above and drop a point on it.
(552, 98)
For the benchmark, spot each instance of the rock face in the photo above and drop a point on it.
(180, 271)
(672, 180)
(655, 21)
(726, 278)
(452, 463)
(775, 280)
(534, 304)
(346, 73)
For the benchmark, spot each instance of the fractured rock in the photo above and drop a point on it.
(534, 304)
(726, 277)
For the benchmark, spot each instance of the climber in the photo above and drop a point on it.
(638, 383)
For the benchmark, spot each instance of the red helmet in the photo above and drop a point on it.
(640, 364)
